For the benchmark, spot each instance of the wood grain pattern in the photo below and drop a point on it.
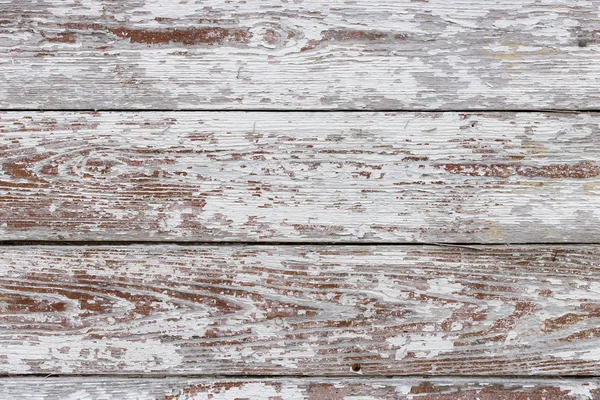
(298, 389)
(302, 310)
(312, 54)
(336, 177)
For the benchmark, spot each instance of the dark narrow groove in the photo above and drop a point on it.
(465, 245)
(300, 377)
(328, 110)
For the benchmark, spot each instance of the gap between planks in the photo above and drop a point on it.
(354, 377)
(479, 246)
(305, 110)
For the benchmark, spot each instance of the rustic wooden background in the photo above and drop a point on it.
(307, 199)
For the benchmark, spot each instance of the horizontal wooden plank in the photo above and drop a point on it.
(301, 310)
(338, 177)
(274, 54)
(107, 388)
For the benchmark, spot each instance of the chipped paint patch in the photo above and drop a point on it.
(187, 36)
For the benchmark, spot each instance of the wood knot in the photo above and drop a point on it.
(272, 36)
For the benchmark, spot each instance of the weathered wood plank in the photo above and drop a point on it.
(303, 310)
(339, 177)
(276, 54)
(298, 389)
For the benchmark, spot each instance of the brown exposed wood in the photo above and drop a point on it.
(187, 36)
(300, 310)
(338, 177)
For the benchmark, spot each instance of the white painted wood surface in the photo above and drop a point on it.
(408, 177)
(300, 310)
(107, 388)
(311, 54)
(338, 177)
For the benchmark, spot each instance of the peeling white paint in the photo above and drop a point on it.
(443, 286)
(354, 55)
(195, 188)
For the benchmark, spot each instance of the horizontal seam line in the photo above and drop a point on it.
(300, 377)
(275, 243)
(141, 110)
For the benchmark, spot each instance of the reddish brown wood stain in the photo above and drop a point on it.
(190, 36)
(580, 170)
(63, 37)
(213, 389)
(427, 391)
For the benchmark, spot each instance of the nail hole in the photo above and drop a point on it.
(582, 43)
(473, 124)
(356, 367)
